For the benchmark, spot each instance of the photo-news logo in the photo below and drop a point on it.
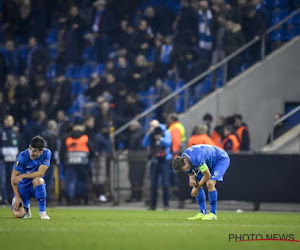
(262, 237)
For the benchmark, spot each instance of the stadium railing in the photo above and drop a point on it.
(283, 118)
(222, 64)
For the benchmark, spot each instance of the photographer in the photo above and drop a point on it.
(158, 138)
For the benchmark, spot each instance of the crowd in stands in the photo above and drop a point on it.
(99, 63)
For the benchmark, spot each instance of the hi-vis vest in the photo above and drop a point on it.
(77, 150)
(178, 145)
(235, 143)
(239, 132)
(181, 128)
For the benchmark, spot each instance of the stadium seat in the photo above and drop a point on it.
(278, 35)
(278, 16)
(52, 37)
(23, 52)
(70, 71)
(99, 69)
(290, 32)
(89, 54)
(207, 86)
(86, 71)
(53, 53)
(52, 71)
(280, 4)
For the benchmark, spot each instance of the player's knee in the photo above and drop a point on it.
(37, 181)
(18, 213)
(211, 185)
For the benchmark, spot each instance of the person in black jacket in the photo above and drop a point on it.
(9, 150)
(136, 161)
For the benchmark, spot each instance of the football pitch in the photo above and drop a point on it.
(137, 229)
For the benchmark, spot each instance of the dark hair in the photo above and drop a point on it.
(174, 117)
(207, 117)
(177, 164)
(38, 142)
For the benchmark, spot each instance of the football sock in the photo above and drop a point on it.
(201, 200)
(212, 198)
(40, 194)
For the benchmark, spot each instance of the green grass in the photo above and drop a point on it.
(120, 229)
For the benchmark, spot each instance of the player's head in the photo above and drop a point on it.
(180, 165)
(36, 147)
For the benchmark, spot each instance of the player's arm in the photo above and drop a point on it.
(206, 176)
(15, 187)
(192, 180)
(36, 174)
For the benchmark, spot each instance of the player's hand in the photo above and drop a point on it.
(192, 182)
(17, 203)
(194, 192)
(17, 179)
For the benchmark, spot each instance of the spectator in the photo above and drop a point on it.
(279, 129)
(51, 138)
(9, 145)
(37, 59)
(217, 133)
(24, 97)
(100, 163)
(95, 88)
(34, 127)
(178, 145)
(73, 39)
(253, 26)
(105, 29)
(242, 132)
(230, 142)
(39, 15)
(123, 68)
(161, 90)
(177, 133)
(200, 136)
(136, 161)
(75, 154)
(132, 107)
(233, 40)
(158, 138)
(186, 26)
(165, 55)
(143, 39)
(62, 98)
(205, 36)
(207, 120)
(3, 106)
(14, 63)
(160, 19)
(3, 71)
(138, 75)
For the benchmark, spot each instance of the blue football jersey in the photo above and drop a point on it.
(203, 154)
(25, 165)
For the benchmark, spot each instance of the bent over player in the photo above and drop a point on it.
(27, 179)
(204, 164)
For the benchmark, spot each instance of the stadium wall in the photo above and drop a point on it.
(261, 178)
(258, 94)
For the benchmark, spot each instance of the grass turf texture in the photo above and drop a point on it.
(121, 229)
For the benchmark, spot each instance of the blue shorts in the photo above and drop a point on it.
(26, 194)
(218, 170)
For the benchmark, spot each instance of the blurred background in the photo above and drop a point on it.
(219, 72)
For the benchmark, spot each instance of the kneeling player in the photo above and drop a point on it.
(27, 179)
(204, 164)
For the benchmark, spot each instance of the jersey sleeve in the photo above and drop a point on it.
(19, 165)
(47, 158)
